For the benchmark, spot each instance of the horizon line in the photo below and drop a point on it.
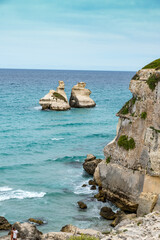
(49, 69)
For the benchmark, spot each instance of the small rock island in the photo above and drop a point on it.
(55, 100)
(80, 97)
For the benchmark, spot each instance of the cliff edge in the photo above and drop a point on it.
(130, 175)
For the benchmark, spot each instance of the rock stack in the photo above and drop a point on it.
(55, 100)
(80, 97)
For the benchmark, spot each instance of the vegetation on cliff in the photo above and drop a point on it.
(125, 143)
(154, 65)
(125, 109)
(143, 115)
(153, 80)
(59, 96)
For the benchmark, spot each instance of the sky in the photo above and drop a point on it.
(79, 34)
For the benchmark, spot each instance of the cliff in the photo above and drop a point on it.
(130, 175)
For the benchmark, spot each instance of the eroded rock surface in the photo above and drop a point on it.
(55, 100)
(132, 164)
(91, 163)
(80, 97)
(4, 224)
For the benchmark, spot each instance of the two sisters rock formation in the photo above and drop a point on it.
(57, 100)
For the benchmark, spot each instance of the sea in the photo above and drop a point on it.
(42, 152)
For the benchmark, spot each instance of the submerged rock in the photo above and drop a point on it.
(82, 205)
(132, 164)
(55, 100)
(4, 224)
(37, 221)
(91, 163)
(80, 97)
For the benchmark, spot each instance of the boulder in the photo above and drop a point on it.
(92, 182)
(80, 97)
(107, 213)
(27, 231)
(93, 187)
(157, 205)
(4, 224)
(90, 164)
(37, 221)
(82, 205)
(55, 100)
(97, 178)
(120, 216)
(147, 202)
(100, 196)
(84, 185)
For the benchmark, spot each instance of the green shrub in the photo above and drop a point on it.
(83, 237)
(125, 109)
(155, 64)
(59, 96)
(108, 159)
(143, 115)
(135, 77)
(152, 81)
(125, 143)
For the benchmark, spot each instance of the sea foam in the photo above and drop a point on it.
(7, 193)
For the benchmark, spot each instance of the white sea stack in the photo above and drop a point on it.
(55, 100)
(80, 97)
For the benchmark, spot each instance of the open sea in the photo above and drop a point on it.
(41, 152)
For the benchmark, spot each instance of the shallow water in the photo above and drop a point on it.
(41, 152)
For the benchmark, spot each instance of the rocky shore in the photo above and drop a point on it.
(129, 176)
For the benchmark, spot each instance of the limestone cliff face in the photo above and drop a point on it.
(134, 155)
(55, 100)
(80, 97)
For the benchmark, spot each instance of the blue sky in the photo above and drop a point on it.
(79, 34)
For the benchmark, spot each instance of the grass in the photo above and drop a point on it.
(125, 109)
(83, 237)
(59, 96)
(152, 81)
(125, 143)
(108, 159)
(143, 115)
(154, 65)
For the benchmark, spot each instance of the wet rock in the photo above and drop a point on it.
(93, 187)
(100, 196)
(92, 182)
(82, 205)
(107, 213)
(91, 163)
(84, 185)
(80, 97)
(37, 221)
(4, 224)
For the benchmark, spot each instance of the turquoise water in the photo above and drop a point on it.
(41, 152)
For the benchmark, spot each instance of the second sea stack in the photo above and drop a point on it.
(80, 97)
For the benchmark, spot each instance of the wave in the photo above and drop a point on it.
(38, 108)
(7, 193)
(57, 139)
(67, 159)
(100, 135)
(17, 166)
